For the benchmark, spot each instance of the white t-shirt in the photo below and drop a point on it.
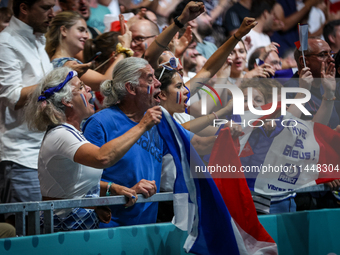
(182, 117)
(190, 76)
(114, 7)
(257, 40)
(59, 175)
(316, 19)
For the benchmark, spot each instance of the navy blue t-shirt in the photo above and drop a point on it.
(286, 39)
(234, 17)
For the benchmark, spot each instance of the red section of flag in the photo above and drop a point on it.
(297, 44)
(235, 191)
(115, 26)
(335, 7)
(247, 150)
(329, 157)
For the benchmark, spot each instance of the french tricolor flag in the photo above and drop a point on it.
(302, 44)
(289, 158)
(200, 209)
(149, 89)
(84, 99)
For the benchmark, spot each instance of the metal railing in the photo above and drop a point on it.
(33, 208)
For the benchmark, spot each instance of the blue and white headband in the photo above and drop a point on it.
(50, 92)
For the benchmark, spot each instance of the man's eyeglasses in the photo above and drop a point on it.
(173, 62)
(140, 39)
(323, 54)
(275, 62)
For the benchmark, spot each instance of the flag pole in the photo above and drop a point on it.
(303, 57)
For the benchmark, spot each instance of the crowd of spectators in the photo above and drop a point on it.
(81, 90)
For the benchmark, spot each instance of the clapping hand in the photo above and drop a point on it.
(328, 80)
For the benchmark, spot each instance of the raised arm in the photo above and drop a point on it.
(93, 78)
(219, 9)
(324, 113)
(305, 82)
(216, 61)
(294, 18)
(190, 12)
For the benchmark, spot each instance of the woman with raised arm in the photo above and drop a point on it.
(210, 68)
(69, 166)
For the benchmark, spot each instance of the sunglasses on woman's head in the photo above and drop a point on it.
(173, 62)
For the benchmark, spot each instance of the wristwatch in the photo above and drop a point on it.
(178, 23)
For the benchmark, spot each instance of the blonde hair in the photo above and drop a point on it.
(40, 115)
(53, 35)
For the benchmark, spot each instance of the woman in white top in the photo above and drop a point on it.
(69, 166)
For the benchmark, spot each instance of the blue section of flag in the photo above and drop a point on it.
(211, 231)
(186, 110)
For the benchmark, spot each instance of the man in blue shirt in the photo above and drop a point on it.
(132, 91)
